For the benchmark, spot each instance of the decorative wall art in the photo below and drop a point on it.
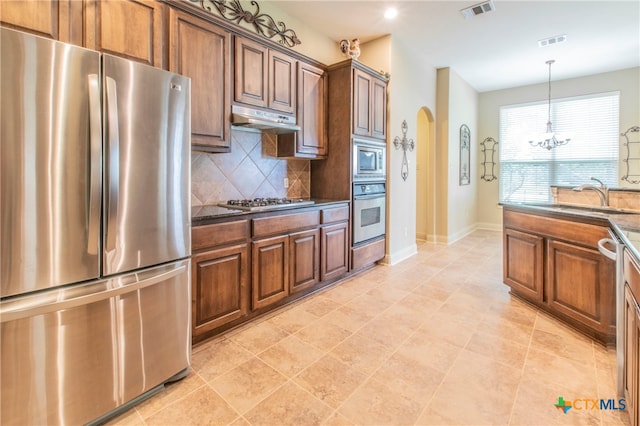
(405, 144)
(632, 156)
(465, 155)
(263, 24)
(489, 148)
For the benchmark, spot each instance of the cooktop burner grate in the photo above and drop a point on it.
(265, 203)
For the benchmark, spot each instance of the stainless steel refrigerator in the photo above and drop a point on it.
(95, 231)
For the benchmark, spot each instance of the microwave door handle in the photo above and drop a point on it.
(113, 163)
(95, 179)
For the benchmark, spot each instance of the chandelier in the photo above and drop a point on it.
(549, 140)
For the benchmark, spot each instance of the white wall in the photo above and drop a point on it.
(313, 44)
(461, 206)
(626, 81)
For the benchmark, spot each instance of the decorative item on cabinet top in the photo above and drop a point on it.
(632, 158)
(488, 164)
(350, 49)
(405, 144)
(262, 23)
(465, 155)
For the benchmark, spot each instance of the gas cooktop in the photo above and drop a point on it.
(265, 203)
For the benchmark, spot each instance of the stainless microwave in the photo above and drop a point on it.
(369, 160)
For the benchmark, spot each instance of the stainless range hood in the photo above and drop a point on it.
(263, 121)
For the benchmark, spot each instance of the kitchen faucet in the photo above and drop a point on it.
(603, 191)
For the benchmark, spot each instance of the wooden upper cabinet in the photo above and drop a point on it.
(379, 109)
(311, 111)
(369, 105)
(251, 72)
(361, 103)
(129, 28)
(201, 50)
(56, 19)
(282, 82)
(264, 77)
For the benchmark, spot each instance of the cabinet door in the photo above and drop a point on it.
(270, 271)
(304, 259)
(631, 344)
(251, 72)
(56, 19)
(201, 51)
(282, 82)
(523, 264)
(580, 284)
(635, 411)
(219, 287)
(129, 28)
(334, 257)
(361, 103)
(379, 109)
(311, 115)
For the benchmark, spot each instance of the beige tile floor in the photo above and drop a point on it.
(436, 339)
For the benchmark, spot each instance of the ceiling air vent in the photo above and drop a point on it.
(552, 40)
(478, 9)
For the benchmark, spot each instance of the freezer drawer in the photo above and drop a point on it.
(71, 355)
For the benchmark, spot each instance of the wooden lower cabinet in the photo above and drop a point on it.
(523, 263)
(555, 264)
(631, 323)
(577, 285)
(220, 288)
(304, 259)
(334, 251)
(269, 271)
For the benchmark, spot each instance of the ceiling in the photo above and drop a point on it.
(494, 50)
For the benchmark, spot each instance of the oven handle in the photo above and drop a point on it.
(608, 253)
(369, 197)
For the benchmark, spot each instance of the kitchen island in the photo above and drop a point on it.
(551, 259)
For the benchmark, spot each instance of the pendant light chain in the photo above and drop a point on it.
(549, 140)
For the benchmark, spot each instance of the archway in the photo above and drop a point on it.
(425, 177)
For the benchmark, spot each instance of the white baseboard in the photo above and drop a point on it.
(489, 226)
(399, 256)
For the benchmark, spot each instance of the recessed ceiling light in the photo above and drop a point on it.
(391, 13)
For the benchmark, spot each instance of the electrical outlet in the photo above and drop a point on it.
(286, 183)
(406, 231)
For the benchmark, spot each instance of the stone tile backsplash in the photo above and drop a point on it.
(620, 198)
(250, 170)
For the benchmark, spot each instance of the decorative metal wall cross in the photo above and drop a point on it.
(405, 144)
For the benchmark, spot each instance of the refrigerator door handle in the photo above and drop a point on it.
(95, 160)
(113, 163)
(39, 308)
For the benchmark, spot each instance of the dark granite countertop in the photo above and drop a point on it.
(627, 227)
(205, 213)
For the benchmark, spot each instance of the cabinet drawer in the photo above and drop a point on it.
(264, 226)
(218, 234)
(337, 214)
(585, 234)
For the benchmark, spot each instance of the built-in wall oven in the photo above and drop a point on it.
(369, 161)
(369, 207)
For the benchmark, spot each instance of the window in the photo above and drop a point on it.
(527, 172)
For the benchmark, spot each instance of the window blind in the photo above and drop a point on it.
(527, 172)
